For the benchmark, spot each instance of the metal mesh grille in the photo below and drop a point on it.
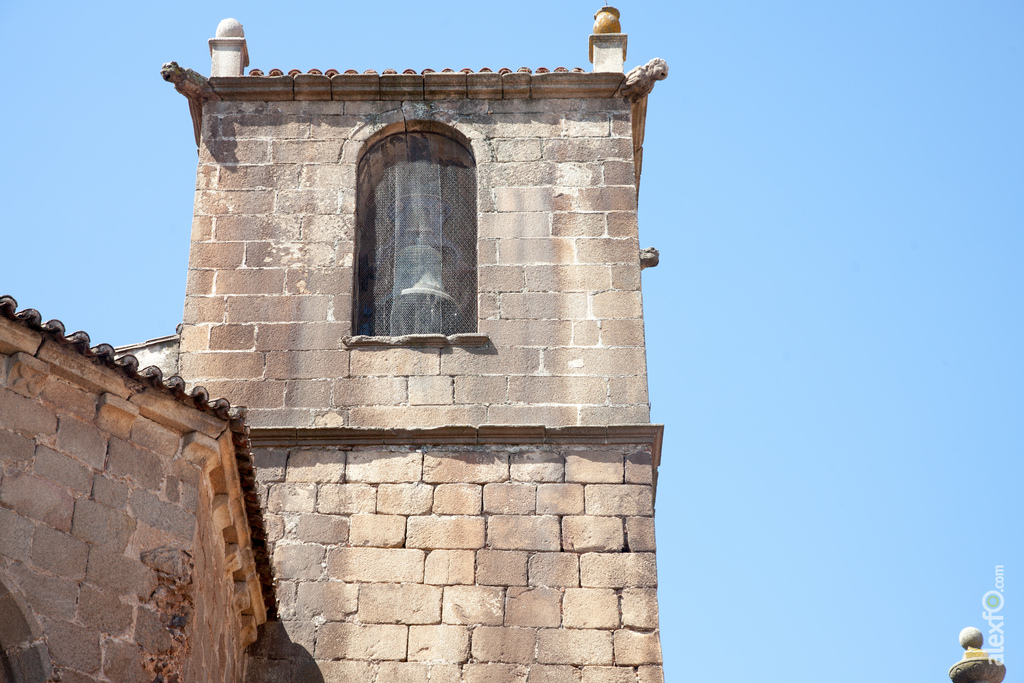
(416, 271)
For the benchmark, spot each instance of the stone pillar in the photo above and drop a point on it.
(607, 43)
(228, 50)
(976, 666)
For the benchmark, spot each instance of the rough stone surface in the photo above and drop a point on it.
(96, 502)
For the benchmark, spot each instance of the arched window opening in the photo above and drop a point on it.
(416, 237)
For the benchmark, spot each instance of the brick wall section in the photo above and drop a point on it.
(269, 292)
(112, 561)
(460, 563)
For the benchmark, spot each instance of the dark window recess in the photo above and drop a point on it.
(416, 237)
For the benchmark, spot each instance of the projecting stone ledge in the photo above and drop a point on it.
(422, 340)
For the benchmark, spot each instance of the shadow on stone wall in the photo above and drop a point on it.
(276, 658)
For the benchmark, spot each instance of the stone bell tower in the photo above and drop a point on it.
(426, 289)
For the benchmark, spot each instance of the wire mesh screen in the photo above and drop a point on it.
(416, 240)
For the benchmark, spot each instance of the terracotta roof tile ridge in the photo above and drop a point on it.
(483, 70)
(127, 365)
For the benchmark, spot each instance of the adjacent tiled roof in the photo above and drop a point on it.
(198, 398)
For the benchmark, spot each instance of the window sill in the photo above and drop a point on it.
(420, 340)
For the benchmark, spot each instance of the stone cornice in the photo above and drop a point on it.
(427, 86)
(639, 434)
(263, 437)
(646, 434)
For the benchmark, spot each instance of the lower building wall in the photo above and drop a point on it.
(460, 563)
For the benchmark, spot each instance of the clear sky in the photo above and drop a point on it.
(835, 331)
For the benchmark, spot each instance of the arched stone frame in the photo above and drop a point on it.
(24, 657)
(452, 306)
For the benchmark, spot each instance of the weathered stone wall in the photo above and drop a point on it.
(475, 564)
(111, 568)
(269, 294)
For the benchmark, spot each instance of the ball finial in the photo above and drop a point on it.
(230, 28)
(607, 20)
(971, 637)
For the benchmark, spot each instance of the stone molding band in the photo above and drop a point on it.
(420, 340)
(429, 86)
(640, 434)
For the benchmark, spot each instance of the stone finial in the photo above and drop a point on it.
(608, 42)
(228, 50)
(607, 20)
(971, 639)
(976, 666)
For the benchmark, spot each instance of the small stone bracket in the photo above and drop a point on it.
(194, 87)
(116, 415)
(648, 257)
(24, 374)
(420, 340)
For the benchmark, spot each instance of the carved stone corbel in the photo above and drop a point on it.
(636, 86)
(23, 374)
(194, 87)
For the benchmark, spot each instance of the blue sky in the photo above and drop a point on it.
(835, 331)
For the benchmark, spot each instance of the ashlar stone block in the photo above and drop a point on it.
(449, 567)
(494, 672)
(316, 466)
(386, 603)
(608, 674)
(583, 534)
(405, 499)
(640, 608)
(473, 467)
(536, 607)
(640, 534)
(594, 467)
(633, 649)
(650, 674)
(346, 499)
(501, 567)
(510, 645)
(590, 608)
(618, 570)
(523, 532)
(457, 499)
(357, 641)
(539, 466)
(555, 570)
(384, 466)
(510, 499)
(376, 565)
(628, 499)
(575, 647)
(474, 605)
(332, 599)
(382, 531)
(298, 561)
(560, 499)
(445, 532)
(448, 644)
